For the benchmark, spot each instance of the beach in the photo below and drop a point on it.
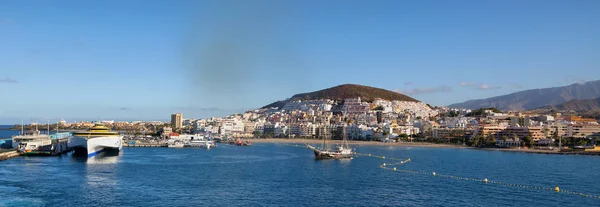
(377, 143)
(422, 144)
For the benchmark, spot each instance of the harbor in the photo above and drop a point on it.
(185, 173)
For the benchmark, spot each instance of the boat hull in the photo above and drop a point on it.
(323, 155)
(176, 145)
(202, 144)
(327, 154)
(90, 147)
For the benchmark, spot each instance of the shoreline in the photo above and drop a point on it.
(375, 143)
(422, 144)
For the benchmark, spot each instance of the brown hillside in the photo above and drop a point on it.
(341, 92)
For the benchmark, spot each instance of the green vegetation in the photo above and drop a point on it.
(378, 108)
(527, 141)
(481, 111)
(490, 141)
(481, 141)
(452, 113)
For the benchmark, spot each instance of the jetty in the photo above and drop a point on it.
(7, 154)
(135, 144)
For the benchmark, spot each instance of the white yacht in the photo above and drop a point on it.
(96, 140)
(202, 144)
(176, 144)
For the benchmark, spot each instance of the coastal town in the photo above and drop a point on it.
(380, 120)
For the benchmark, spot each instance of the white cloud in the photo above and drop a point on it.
(466, 83)
(480, 86)
(487, 87)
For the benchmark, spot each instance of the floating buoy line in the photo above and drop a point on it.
(394, 166)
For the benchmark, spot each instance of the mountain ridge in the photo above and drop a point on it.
(535, 98)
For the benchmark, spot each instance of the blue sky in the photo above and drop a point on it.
(131, 60)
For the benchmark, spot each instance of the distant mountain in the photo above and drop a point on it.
(345, 91)
(577, 105)
(536, 98)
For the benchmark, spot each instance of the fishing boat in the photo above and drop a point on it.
(342, 151)
(95, 140)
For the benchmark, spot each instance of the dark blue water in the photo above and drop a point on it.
(280, 175)
(7, 133)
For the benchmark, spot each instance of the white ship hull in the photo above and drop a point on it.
(95, 145)
(202, 144)
(176, 145)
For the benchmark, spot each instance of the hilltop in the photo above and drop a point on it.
(536, 98)
(341, 92)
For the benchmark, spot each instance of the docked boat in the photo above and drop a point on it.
(202, 144)
(30, 141)
(339, 152)
(96, 140)
(35, 143)
(240, 142)
(176, 144)
(197, 141)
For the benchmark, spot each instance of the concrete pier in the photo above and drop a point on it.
(144, 145)
(7, 154)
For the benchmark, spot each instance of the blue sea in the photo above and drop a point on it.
(283, 175)
(7, 133)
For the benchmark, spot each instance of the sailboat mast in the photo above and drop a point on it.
(325, 137)
(345, 136)
(22, 127)
(48, 127)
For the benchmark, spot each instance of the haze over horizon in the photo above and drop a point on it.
(143, 60)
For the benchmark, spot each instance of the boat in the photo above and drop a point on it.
(96, 140)
(202, 144)
(35, 143)
(342, 151)
(30, 141)
(240, 142)
(176, 144)
(197, 141)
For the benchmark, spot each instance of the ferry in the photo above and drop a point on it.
(96, 140)
(30, 141)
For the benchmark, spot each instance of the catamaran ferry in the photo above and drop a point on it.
(96, 140)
